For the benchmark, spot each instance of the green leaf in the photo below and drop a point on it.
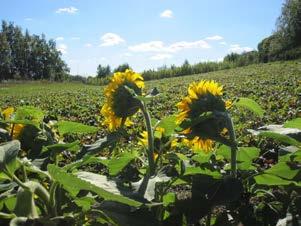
(169, 198)
(67, 127)
(250, 105)
(295, 123)
(198, 170)
(224, 151)
(74, 184)
(58, 148)
(283, 170)
(117, 164)
(280, 138)
(85, 202)
(201, 158)
(8, 153)
(168, 124)
(247, 154)
(27, 114)
(272, 180)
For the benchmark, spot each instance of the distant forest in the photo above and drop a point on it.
(32, 57)
(29, 57)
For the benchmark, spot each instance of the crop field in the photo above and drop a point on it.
(275, 86)
(63, 161)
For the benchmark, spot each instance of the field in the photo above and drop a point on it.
(275, 86)
(249, 190)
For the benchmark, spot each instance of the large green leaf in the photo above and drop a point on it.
(250, 105)
(117, 164)
(58, 148)
(224, 151)
(295, 123)
(8, 153)
(198, 170)
(280, 137)
(273, 180)
(168, 124)
(283, 170)
(29, 115)
(201, 157)
(74, 184)
(247, 154)
(66, 127)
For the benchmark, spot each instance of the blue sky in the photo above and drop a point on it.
(145, 33)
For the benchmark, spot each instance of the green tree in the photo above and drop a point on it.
(289, 23)
(122, 67)
(103, 71)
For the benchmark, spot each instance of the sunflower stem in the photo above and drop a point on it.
(233, 147)
(150, 137)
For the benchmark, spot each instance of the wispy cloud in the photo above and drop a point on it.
(159, 46)
(161, 56)
(28, 19)
(223, 43)
(88, 45)
(166, 14)
(215, 38)
(59, 39)
(236, 48)
(75, 38)
(62, 48)
(111, 39)
(69, 10)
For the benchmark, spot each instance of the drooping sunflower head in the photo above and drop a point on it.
(15, 129)
(120, 102)
(197, 114)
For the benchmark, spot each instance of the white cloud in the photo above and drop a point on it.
(75, 38)
(161, 56)
(88, 45)
(59, 39)
(223, 43)
(111, 39)
(28, 19)
(159, 46)
(62, 48)
(236, 48)
(69, 10)
(215, 38)
(166, 14)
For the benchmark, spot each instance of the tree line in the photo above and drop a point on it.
(29, 57)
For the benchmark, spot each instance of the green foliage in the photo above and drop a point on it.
(122, 68)
(74, 184)
(66, 127)
(103, 71)
(295, 123)
(280, 137)
(250, 105)
(21, 57)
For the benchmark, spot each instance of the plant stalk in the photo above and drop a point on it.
(233, 147)
(150, 137)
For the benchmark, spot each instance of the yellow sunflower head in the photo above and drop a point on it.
(197, 115)
(16, 129)
(120, 102)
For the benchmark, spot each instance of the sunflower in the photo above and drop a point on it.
(16, 129)
(197, 115)
(120, 103)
